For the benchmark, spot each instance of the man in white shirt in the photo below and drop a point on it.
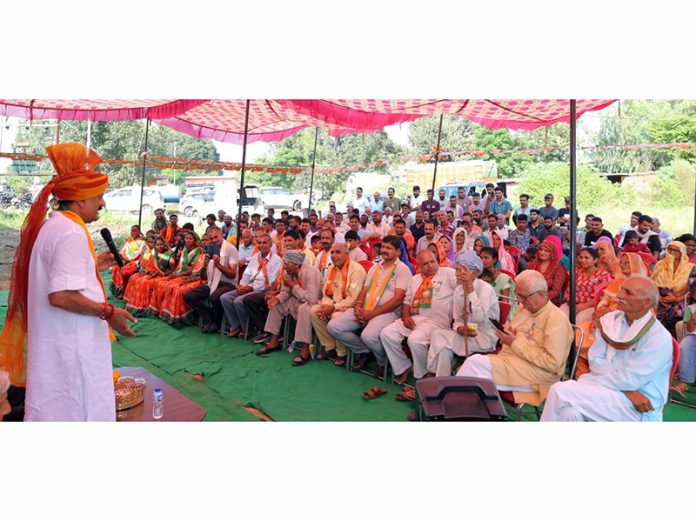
(376, 203)
(416, 200)
(482, 305)
(246, 247)
(258, 278)
(430, 236)
(360, 202)
(427, 307)
(221, 271)
(323, 260)
(630, 365)
(377, 228)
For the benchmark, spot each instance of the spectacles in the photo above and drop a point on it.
(525, 297)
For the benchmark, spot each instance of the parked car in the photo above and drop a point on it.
(128, 199)
(469, 188)
(192, 201)
(280, 198)
(224, 199)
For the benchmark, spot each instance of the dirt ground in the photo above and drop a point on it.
(10, 238)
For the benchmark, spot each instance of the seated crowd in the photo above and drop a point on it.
(419, 284)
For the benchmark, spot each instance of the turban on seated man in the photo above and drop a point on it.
(630, 363)
(482, 304)
(535, 345)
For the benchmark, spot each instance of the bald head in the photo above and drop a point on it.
(427, 263)
(639, 293)
(339, 253)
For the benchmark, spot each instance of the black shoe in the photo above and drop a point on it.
(261, 337)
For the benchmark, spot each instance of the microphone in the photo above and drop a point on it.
(106, 235)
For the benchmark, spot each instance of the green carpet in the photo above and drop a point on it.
(235, 378)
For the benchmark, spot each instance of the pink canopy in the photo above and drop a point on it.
(95, 109)
(367, 115)
(223, 120)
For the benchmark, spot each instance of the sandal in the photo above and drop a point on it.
(265, 350)
(408, 394)
(300, 361)
(326, 355)
(374, 392)
(340, 361)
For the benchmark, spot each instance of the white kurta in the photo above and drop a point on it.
(69, 367)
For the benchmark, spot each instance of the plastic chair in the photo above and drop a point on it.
(366, 264)
(648, 260)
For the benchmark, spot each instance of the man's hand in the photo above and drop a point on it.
(289, 281)
(641, 403)
(325, 310)
(243, 290)
(409, 322)
(507, 337)
(119, 322)
(273, 302)
(105, 260)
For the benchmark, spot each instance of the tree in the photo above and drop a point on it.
(120, 140)
(457, 135)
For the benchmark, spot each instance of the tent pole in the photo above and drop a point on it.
(573, 207)
(241, 185)
(56, 134)
(437, 153)
(142, 180)
(314, 162)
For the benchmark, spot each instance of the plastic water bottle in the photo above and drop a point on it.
(312, 351)
(157, 404)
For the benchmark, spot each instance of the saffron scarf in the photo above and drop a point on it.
(332, 278)
(376, 290)
(423, 297)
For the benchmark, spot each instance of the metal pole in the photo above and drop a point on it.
(142, 182)
(241, 185)
(573, 206)
(89, 133)
(56, 136)
(314, 162)
(437, 153)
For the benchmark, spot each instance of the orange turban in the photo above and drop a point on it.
(76, 180)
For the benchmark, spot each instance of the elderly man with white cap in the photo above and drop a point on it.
(300, 289)
(475, 302)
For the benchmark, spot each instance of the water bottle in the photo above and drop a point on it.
(157, 404)
(312, 351)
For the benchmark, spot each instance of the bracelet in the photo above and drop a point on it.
(108, 311)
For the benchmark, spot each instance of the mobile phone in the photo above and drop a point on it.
(213, 249)
(497, 325)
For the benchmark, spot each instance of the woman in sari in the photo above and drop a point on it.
(480, 243)
(131, 252)
(448, 247)
(607, 256)
(507, 263)
(186, 258)
(673, 275)
(548, 263)
(140, 287)
(405, 258)
(588, 278)
(502, 283)
(439, 252)
(174, 310)
(629, 264)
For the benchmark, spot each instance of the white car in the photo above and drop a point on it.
(191, 202)
(221, 199)
(128, 199)
(280, 198)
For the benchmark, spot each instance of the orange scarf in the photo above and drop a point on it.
(344, 279)
(279, 244)
(263, 266)
(375, 292)
(322, 264)
(423, 298)
(170, 233)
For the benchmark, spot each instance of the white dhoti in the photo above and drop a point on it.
(479, 366)
(578, 401)
(445, 343)
(418, 341)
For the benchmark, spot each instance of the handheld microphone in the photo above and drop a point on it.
(106, 235)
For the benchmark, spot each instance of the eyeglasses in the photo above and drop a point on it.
(525, 297)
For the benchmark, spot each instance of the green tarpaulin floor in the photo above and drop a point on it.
(236, 378)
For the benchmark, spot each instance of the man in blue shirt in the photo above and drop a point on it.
(500, 205)
(630, 365)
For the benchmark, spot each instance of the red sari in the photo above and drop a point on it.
(174, 310)
(141, 285)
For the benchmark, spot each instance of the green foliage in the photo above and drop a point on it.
(674, 185)
(457, 134)
(593, 190)
(120, 140)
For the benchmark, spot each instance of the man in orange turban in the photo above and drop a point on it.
(58, 318)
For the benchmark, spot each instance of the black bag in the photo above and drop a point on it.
(458, 398)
